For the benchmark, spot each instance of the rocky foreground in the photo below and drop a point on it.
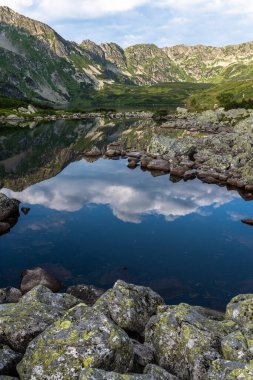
(124, 333)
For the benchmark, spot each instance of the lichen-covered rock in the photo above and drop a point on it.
(8, 378)
(38, 276)
(240, 310)
(39, 308)
(89, 294)
(8, 360)
(230, 370)
(235, 347)
(185, 342)
(10, 295)
(8, 207)
(99, 374)
(152, 372)
(130, 306)
(158, 373)
(83, 338)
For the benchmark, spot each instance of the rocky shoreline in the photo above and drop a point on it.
(214, 146)
(127, 332)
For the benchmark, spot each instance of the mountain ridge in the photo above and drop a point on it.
(37, 62)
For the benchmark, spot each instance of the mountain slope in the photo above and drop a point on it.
(37, 63)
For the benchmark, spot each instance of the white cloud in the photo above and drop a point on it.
(129, 197)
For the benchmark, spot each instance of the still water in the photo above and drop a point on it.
(96, 222)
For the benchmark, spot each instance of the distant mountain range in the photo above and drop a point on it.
(37, 63)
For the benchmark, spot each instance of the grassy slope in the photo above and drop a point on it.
(127, 97)
(208, 98)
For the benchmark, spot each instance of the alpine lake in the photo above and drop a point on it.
(95, 221)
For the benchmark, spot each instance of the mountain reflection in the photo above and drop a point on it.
(131, 195)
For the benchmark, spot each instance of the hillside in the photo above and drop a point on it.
(38, 64)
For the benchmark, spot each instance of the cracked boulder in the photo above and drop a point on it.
(83, 338)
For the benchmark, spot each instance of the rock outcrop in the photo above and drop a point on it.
(53, 336)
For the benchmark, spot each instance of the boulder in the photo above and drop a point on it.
(89, 294)
(83, 338)
(152, 372)
(8, 207)
(236, 347)
(185, 342)
(230, 370)
(22, 322)
(143, 355)
(93, 152)
(38, 276)
(240, 310)
(159, 164)
(10, 295)
(130, 306)
(158, 373)
(8, 360)
(132, 164)
(145, 160)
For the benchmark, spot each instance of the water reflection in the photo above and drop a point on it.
(130, 195)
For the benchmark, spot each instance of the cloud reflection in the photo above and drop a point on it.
(130, 194)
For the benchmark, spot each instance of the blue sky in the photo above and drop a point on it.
(127, 22)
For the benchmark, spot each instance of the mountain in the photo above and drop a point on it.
(37, 63)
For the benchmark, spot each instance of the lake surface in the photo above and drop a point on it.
(96, 222)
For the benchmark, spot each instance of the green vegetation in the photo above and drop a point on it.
(231, 94)
(120, 97)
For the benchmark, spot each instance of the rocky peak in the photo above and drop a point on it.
(115, 54)
(36, 28)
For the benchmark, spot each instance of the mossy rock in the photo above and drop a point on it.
(23, 321)
(129, 306)
(230, 370)
(83, 338)
(185, 342)
(240, 310)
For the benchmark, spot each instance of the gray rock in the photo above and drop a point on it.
(130, 306)
(159, 164)
(158, 373)
(10, 295)
(89, 294)
(185, 342)
(99, 374)
(143, 355)
(8, 207)
(39, 308)
(8, 360)
(240, 309)
(30, 278)
(93, 152)
(83, 338)
(230, 370)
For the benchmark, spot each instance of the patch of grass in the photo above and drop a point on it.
(166, 97)
(231, 94)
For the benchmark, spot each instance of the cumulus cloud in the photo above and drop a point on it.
(211, 22)
(129, 197)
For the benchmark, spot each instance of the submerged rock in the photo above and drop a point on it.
(83, 338)
(130, 306)
(22, 322)
(38, 276)
(89, 294)
(10, 295)
(4, 227)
